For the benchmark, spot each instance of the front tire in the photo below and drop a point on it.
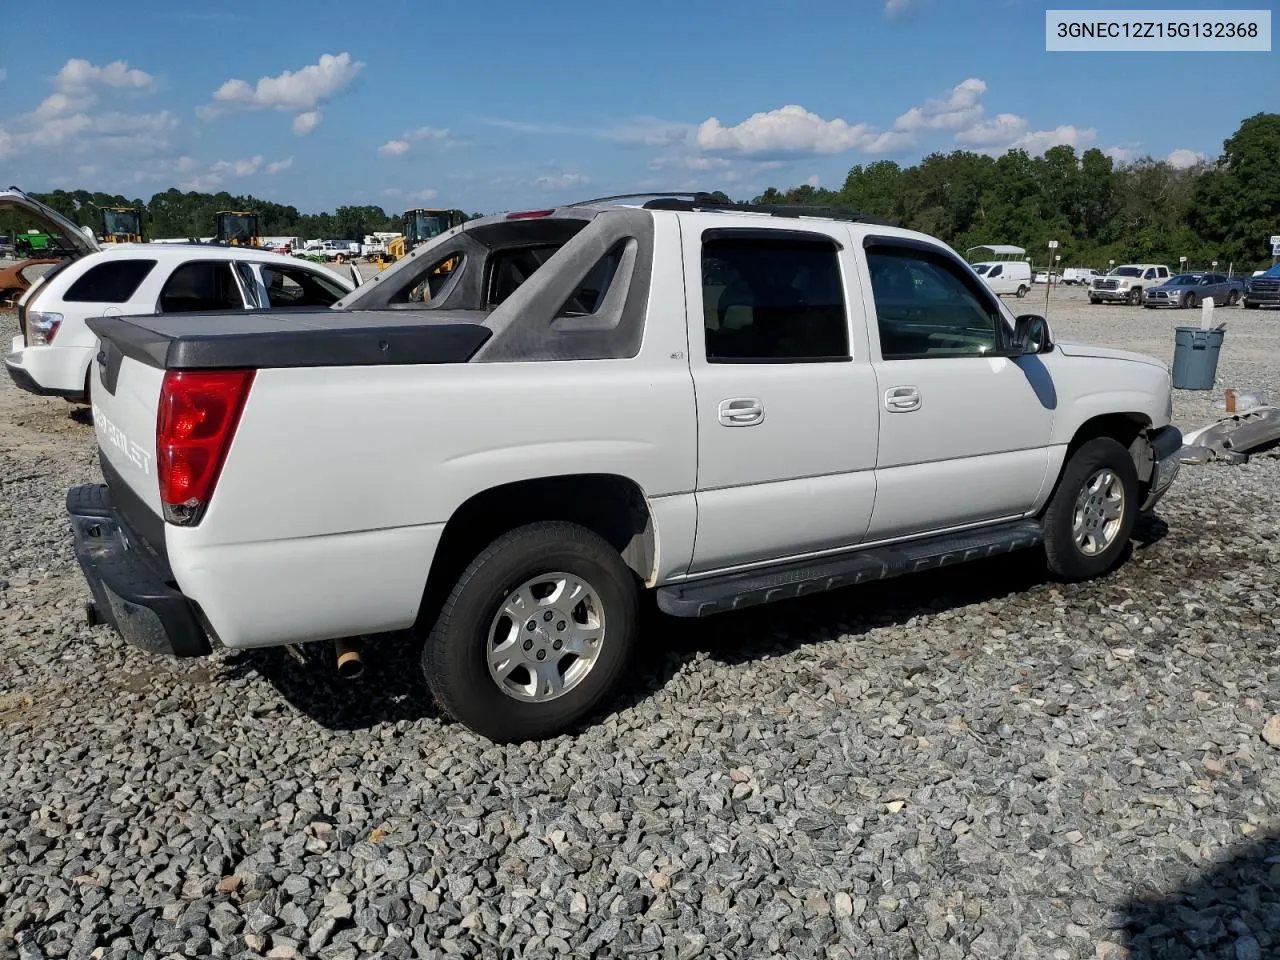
(1092, 513)
(1095, 301)
(536, 633)
(1190, 302)
(1135, 296)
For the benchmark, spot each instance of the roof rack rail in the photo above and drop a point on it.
(636, 196)
(704, 202)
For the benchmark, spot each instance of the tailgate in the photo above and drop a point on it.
(125, 395)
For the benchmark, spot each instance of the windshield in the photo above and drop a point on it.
(981, 268)
(118, 223)
(238, 228)
(421, 226)
(1273, 272)
(1185, 279)
(1125, 272)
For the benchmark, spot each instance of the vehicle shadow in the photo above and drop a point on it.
(392, 688)
(1230, 911)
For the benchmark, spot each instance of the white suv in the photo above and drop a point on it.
(1125, 283)
(52, 353)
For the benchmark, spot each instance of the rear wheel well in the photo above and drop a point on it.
(613, 507)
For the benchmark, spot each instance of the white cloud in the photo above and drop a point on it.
(218, 173)
(687, 162)
(1009, 131)
(394, 148)
(1121, 154)
(1182, 158)
(77, 74)
(300, 92)
(396, 193)
(304, 123)
(812, 181)
(961, 106)
(294, 92)
(403, 144)
(793, 131)
(59, 103)
(560, 181)
(895, 8)
(237, 168)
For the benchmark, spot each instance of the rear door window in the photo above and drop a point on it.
(201, 285)
(298, 287)
(111, 282)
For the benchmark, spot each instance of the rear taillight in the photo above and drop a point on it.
(42, 328)
(198, 415)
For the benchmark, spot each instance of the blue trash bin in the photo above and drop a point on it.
(1195, 357)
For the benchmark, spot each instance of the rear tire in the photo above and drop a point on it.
(462, 661)
(1090, 518)
(1022, 292)
(1233, 298)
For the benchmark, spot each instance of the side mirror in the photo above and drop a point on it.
(1031, 335)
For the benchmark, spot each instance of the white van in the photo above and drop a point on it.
(1082, 275)
(1006, 276)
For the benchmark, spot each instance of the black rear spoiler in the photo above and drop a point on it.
(176, 342)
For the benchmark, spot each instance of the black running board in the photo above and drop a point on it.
(702, 598)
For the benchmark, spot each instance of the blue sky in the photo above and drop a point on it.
(510, 104)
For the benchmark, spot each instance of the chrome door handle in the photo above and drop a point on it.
(902, 399)
(741, 412)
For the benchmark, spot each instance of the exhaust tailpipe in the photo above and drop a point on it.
(350, 664)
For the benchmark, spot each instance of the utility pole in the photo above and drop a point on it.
(1053, 245)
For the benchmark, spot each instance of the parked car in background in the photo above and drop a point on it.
(1083, 275)
(1262, 289)
(52, 354)
(1125, 283)
(1190, 289)
(1006, 276)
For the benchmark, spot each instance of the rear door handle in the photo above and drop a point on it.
(741, 412)
(902, 399)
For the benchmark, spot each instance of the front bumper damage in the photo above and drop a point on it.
(1165, 445)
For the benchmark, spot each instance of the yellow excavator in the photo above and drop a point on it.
(237, 228)
(122, 225)
(420, 225)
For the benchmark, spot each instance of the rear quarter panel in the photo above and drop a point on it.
(339, 481)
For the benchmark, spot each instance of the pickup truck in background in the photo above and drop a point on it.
(500, 442)
(1126, 282)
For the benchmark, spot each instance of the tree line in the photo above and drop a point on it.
(1223, 209)
(175, 213)
(1145, 211)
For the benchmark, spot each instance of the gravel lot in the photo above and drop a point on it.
(974, 762)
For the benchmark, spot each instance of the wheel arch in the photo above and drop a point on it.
(613, 506)
(1129, 429)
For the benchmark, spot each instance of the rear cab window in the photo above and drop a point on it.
(115, 281)
(770, 298)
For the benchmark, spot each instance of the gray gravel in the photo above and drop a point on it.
(973, 763)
